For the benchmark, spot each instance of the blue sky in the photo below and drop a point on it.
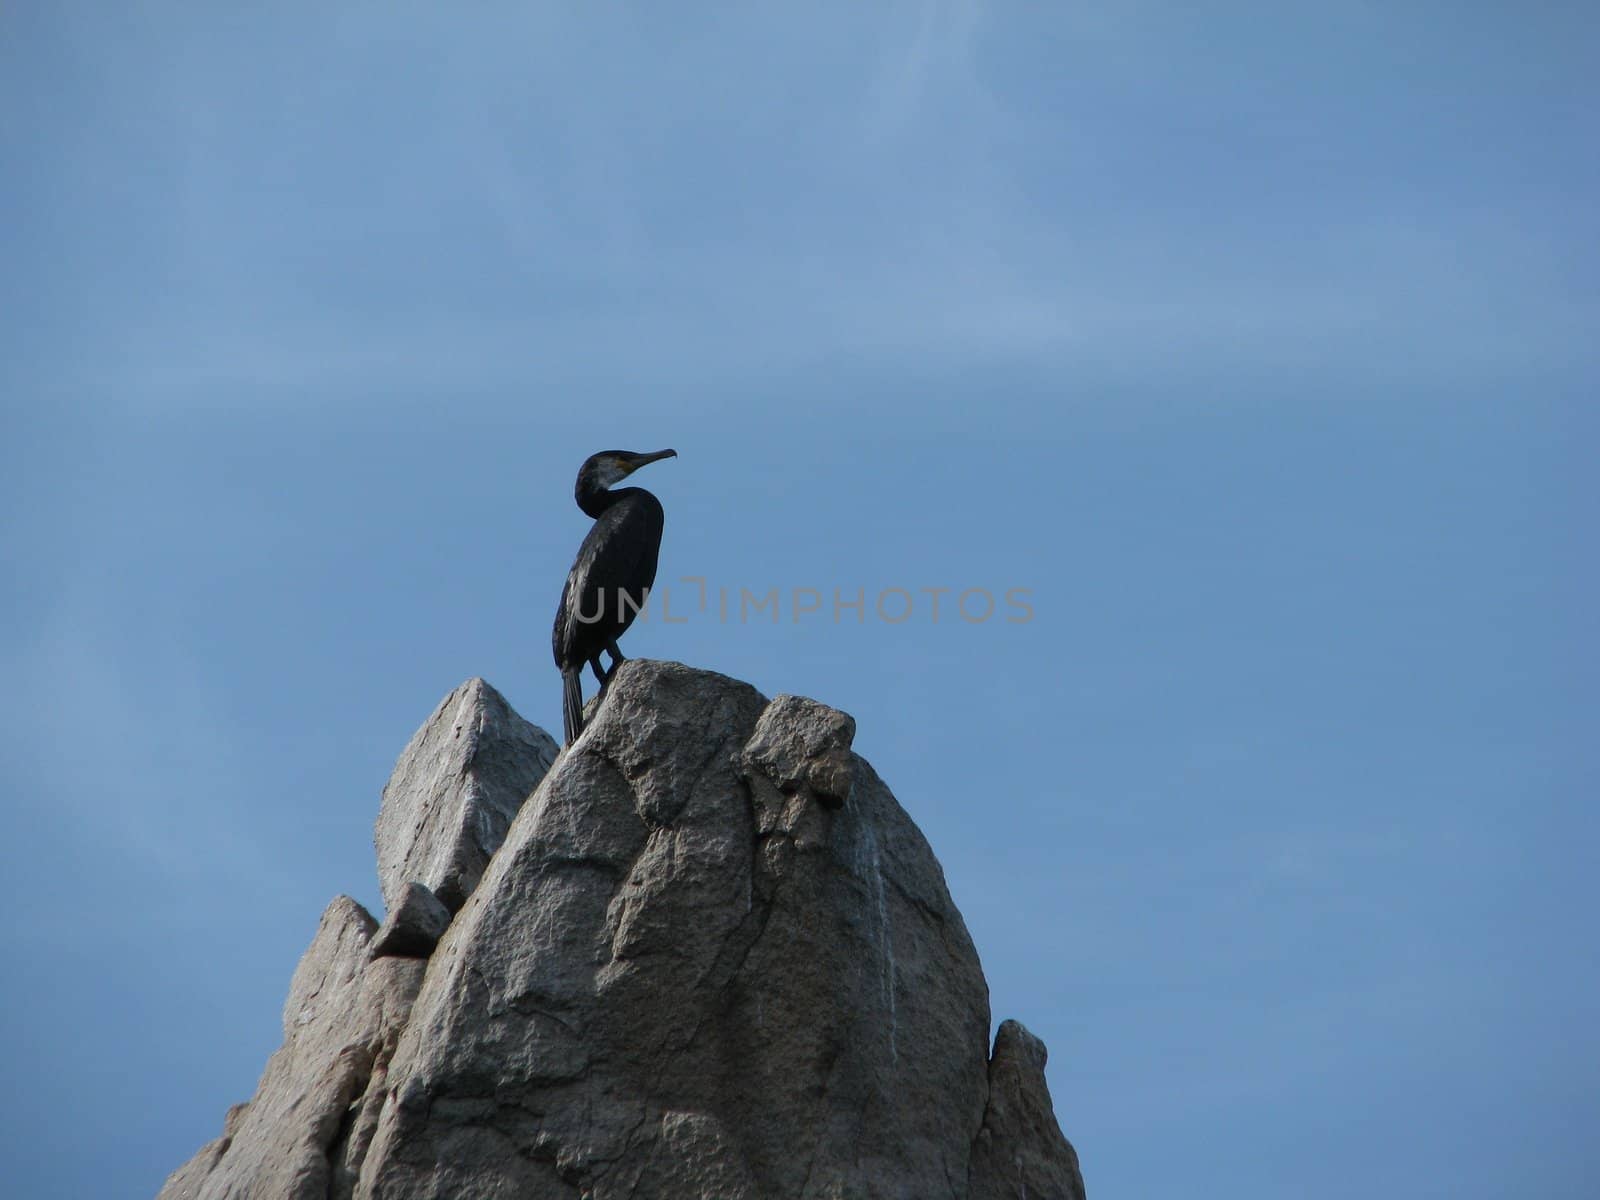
(1258, 342)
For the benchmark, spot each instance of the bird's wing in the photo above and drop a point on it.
(619, 554)
(626, 542)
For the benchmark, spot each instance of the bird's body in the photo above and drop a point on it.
(611, 578)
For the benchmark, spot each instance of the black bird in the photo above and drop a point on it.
(611, 577)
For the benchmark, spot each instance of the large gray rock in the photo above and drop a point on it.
(712, 960)
(306, 1129)
(454, 791)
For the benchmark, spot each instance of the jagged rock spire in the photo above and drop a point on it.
(714, 959)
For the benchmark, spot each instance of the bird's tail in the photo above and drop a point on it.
(571, 705)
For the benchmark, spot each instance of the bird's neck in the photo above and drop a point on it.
(594, 499)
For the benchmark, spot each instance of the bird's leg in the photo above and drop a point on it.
(616, 658)
(599, 674)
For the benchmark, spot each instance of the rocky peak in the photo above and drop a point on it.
(706, 955)
(458, 783)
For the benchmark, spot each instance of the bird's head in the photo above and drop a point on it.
(600, 471)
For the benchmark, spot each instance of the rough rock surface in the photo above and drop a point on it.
(414, 926)
(712, 960)
(454, 791)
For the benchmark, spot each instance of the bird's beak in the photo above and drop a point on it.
(640, 460)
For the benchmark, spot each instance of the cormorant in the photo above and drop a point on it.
(611, 577)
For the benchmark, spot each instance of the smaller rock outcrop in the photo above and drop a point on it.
(303, 1134)
(799, 743)
(454, 791)
(414, 926)
(1020, 1151)
(445, 811)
